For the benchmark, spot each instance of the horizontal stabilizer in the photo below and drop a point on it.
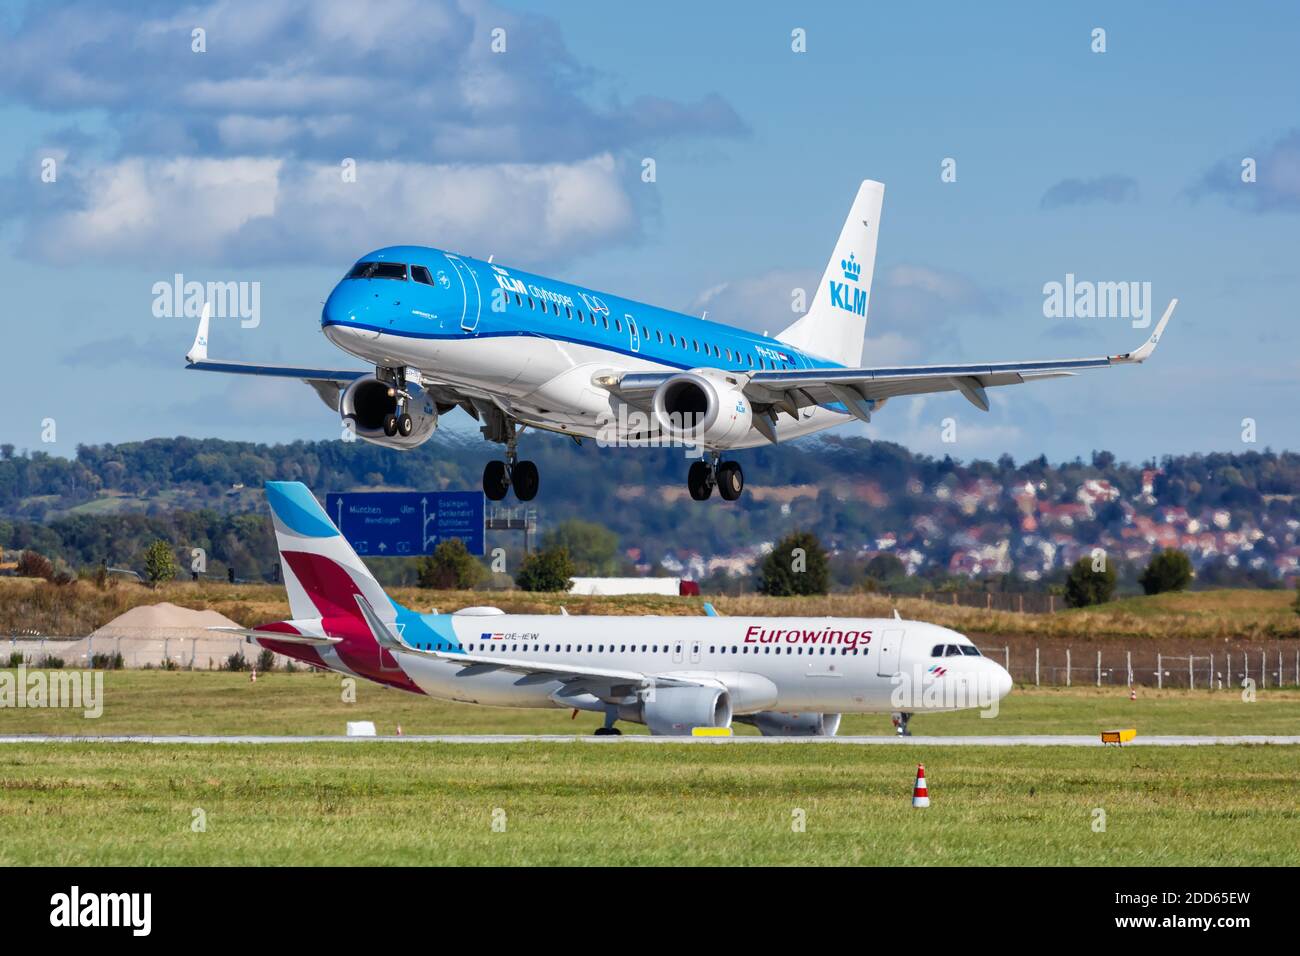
(308, 639)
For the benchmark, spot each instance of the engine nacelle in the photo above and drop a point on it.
(367, 402)
(772, 723)
(703, 407)
(676, 711)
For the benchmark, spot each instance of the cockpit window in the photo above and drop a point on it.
(936, 651)
(378, 270)
(970, 650)
(953, 651)
(421, 274)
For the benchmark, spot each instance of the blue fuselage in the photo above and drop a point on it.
(445, 296)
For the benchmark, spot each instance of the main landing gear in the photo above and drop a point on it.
(609, 730)
(900, 724)
(500, 476)
(726, 476)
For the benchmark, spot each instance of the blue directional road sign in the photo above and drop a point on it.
(387, 524)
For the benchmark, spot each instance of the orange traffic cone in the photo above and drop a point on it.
(399, 730)
(1133, 694)
(920, 794)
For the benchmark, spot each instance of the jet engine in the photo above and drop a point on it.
(367, 402)
(772, 723)
(676, 711)
(703, 407)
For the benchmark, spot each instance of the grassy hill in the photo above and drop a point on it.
(31, 606)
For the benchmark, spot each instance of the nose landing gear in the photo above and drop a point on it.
(400, 424)
(726, 476)
(397, 422)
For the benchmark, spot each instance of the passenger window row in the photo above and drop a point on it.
(397, 270)
(476, 648)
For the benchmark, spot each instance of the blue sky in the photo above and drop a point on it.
(223, 165)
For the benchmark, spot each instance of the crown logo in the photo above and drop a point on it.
(852, 268)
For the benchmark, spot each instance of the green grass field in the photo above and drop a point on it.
(216, 702)
(420, 803)
(383, 803)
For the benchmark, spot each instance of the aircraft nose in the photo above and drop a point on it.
(347, 316)
(341, 308)
(1002, 682)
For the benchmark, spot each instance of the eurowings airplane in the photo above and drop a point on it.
(516, 350)
(787, 676)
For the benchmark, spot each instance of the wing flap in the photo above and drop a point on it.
(858, 388)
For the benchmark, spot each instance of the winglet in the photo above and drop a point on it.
(199, 350)
(1143, 351)
(382, 634)
(709, 609)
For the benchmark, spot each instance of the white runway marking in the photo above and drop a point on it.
(1024, 740)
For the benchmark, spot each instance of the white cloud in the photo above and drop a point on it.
(405, 79)
(245, 209)
(910, 318)
(919, 424)
(232, 155)
(1277, 184)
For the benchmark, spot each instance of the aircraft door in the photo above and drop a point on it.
(889, 652)
(695, 652)
(472, 295)
(634, 336)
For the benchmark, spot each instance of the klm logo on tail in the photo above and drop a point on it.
(842, 295)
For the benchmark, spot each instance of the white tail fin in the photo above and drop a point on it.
(321, 571)
(833, 327)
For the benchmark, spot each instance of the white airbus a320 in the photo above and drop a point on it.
(786, 676)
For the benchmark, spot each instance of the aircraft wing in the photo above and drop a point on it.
(862, 390)
(326, 382)
(601, 681)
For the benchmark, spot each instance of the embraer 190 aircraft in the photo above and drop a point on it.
(787, 676)
(517, 350)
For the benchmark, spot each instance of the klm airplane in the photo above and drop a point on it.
(516, 350)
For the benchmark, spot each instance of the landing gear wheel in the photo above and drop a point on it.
(900, 724)
(608, 732)
(390, 425)
(699, 480)
(495, 481)
(731, 480)
(525, 478)
(405, 425)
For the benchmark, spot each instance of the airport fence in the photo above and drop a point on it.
(1273, 664)
(1034, 603)
(178, 649)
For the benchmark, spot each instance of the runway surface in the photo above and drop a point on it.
(1026, 740)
